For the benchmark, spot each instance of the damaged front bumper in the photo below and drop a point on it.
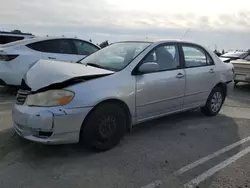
(53, 125)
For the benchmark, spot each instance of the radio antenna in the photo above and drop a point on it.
(185, 34)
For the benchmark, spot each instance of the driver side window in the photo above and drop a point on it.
(166, 56)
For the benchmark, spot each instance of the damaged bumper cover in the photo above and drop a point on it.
(49, 125)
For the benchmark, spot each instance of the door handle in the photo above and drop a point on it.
(179, 75)
(211, 70)
(52, 58)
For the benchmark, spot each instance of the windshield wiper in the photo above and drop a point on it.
(79, 61)
(95, 65)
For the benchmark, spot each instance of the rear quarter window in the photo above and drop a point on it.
(84, 48)
(8, 39)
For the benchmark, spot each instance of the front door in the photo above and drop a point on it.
(160, 92)
(200, 75)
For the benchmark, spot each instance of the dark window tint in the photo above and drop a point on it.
(7, 39)
(196, 57)
(247, 58)
(84, 48)
(167, 57)
(61, 46)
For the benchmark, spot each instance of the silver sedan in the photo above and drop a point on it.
(97, 100)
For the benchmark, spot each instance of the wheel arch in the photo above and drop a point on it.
(118, 102)
(223, 86)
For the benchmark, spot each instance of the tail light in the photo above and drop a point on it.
(7, 57)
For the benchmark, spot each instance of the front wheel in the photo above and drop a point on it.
(214, 102)
(104, 127)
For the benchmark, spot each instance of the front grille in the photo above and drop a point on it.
(21, 96)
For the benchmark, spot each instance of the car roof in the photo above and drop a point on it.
(37, 39)
(52, 38)
(160, 41)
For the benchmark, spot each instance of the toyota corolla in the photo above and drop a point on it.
(96, 101)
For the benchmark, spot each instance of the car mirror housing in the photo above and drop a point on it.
(148, 67)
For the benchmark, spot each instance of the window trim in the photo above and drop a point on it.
(200, 48)
(84, 41)
(135, 70)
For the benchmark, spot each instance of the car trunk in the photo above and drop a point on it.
(242, 70)
(241, 66)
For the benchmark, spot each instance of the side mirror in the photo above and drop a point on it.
(148, 67)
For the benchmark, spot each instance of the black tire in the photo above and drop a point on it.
(208, 109)
(104, 127)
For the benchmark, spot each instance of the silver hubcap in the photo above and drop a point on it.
(216, 101)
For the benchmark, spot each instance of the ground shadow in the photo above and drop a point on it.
(178, 139)
(6, 91)
(241, 89)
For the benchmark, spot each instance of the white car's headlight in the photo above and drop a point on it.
(50, 98)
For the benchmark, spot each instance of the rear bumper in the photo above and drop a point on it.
(48, 125)
(242, 77)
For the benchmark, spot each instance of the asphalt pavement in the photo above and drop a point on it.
(184, 150)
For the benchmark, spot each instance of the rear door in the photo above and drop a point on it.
(56, 49)
(84, 48)
(200, 75)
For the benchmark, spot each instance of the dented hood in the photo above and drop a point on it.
(57, 74)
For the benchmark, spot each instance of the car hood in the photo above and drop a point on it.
(45, 75)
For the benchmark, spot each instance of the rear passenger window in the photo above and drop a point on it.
(196, 57)
(61, 46)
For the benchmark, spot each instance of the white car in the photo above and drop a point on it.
(7, 37)
(17, 57)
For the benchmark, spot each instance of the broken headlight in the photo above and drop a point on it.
(50, 98)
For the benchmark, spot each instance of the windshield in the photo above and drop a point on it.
(235, 54)
(116, 56)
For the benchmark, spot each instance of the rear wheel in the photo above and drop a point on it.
(104, 127)
(214, 102)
